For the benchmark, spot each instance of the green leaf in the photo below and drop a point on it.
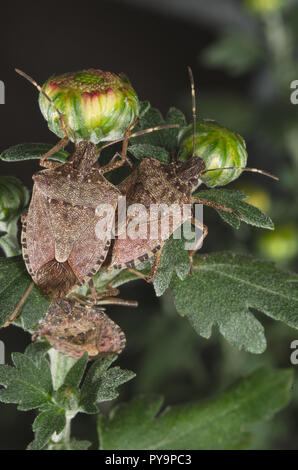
(14, 198)
(151, 118)
(219, 423)
(73, 444)
(31, 151)
(174, 258)
(75, 374)
(147, 150)
(10, 245)
(14, 282)
(116, 279)
(37, 351)
(28, 383)
(45, 425)
(224, 286)
(101, 384)
(79, 445)
(174, 116)
(233, 199)
(167, 138)
(144, 107)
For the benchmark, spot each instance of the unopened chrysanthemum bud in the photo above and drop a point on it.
(218, 147)
(264, 6)
(96, 105)
(13, 198)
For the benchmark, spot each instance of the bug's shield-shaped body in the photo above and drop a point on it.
(74, 329)
(156, 183)
(60, 245)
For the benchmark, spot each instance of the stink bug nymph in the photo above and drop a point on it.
(74, 329)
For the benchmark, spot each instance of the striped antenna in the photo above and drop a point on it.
(194, 110)
(194, 115)
(61, 117)
(136, 134)
(253, 170)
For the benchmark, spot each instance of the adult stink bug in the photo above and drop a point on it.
(74, 329)
(60, 246)
(171, 184)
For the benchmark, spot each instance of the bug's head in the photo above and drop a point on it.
(85, 156)
(189, 172)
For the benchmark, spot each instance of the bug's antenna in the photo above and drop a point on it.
(61, 117)
(137, 134)
(254, 170)
(194, 110)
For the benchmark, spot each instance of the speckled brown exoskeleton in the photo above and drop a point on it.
(73, 329)
(59, 243)
(153, 182)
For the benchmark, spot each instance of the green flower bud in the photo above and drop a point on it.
(96, 105)
(13, 198)
(264, 6)
(218, 147)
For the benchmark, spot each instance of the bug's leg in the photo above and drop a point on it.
(109, 292)
(51, 165)
(81, 299)
(153, 272)
(154, 268)
(59, 146)
(137, 273)
(123, 157)
(93, 291)
(118, 155)
(64, 126)
(113, 301)
(105, 298)
(19, 305)
(137, 134)
(173, 156)
(203, 228)
(215, 205)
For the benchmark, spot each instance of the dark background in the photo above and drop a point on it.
(152, 42)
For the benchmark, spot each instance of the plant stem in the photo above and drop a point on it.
(60, 365)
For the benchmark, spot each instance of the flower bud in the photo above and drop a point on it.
(96, 105)
(13, 198)
(218, 147)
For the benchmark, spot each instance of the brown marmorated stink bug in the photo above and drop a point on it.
(74, 329)
(153, 182)
(60, 246)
